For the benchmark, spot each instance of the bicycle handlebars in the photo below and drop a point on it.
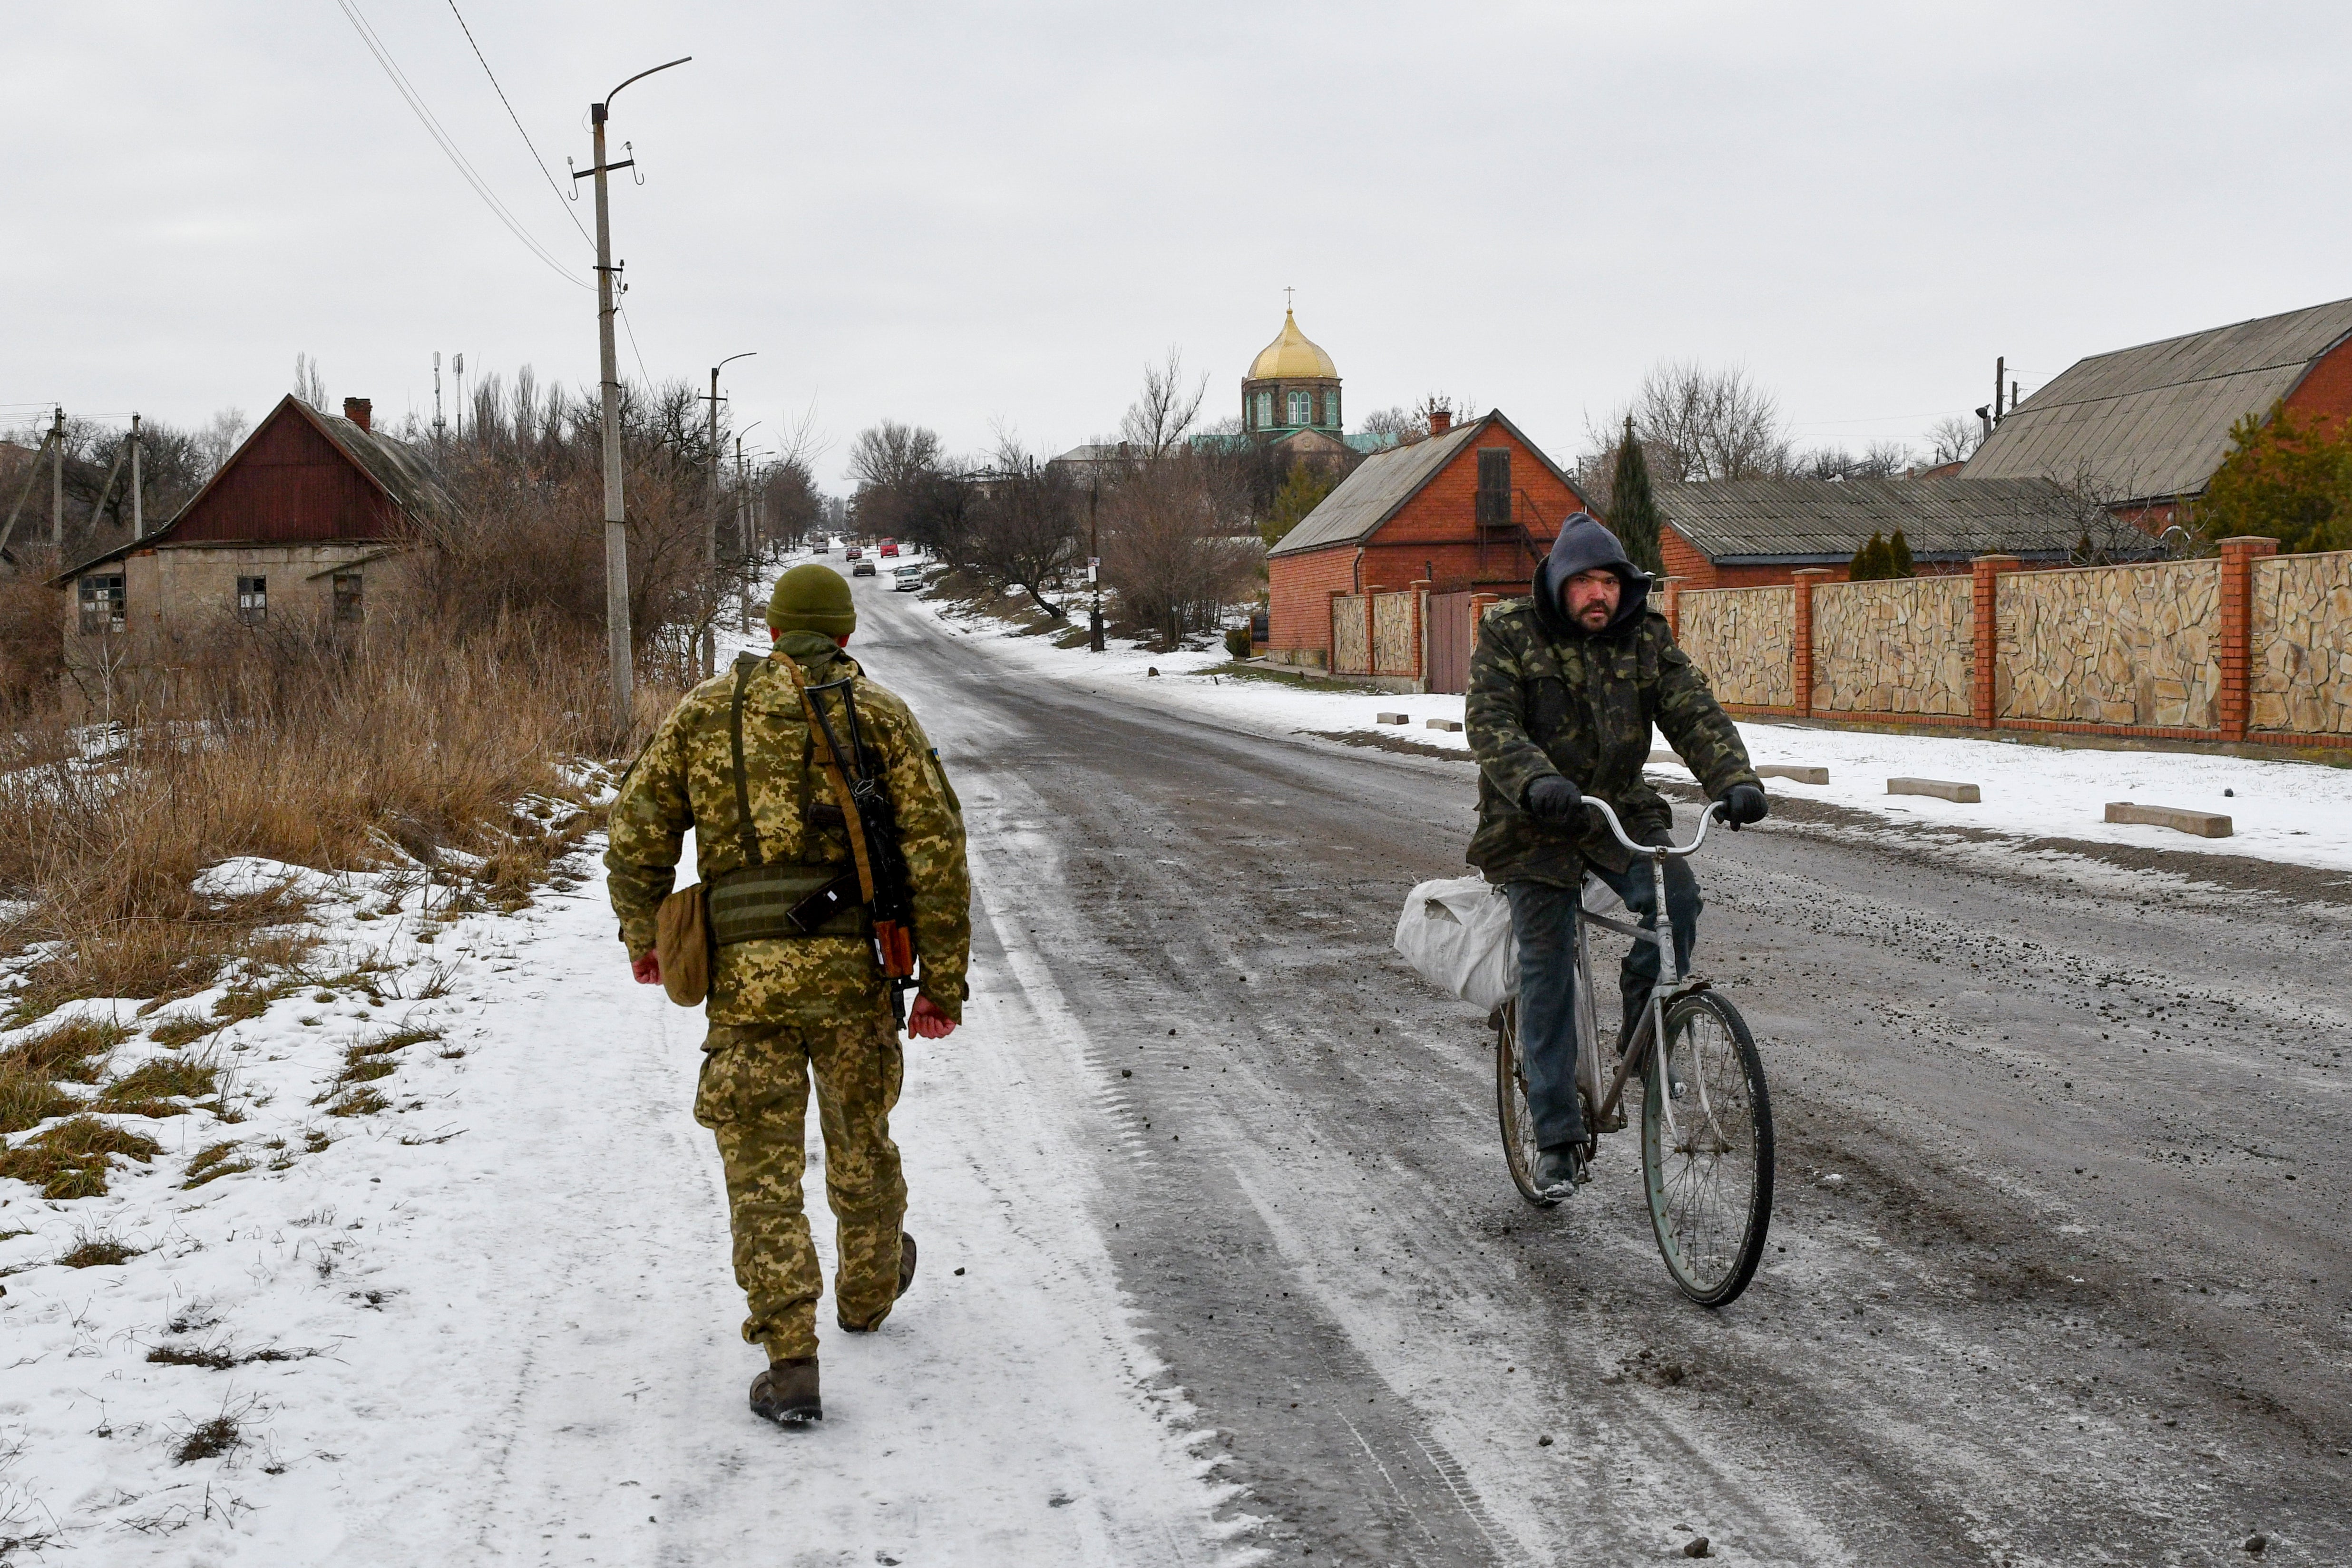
(1707, 819)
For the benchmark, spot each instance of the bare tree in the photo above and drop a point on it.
(1696, 424)
(1179, 546)
(1879, 460)
(310, 385)
(1024, 528)
(1954, 439)
(1158, 421)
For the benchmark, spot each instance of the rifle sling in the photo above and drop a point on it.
(820, 734)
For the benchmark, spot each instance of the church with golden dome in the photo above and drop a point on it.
(1292, 386)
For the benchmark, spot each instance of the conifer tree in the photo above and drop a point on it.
(1871, 562)
(1898, 556)
(1632, 508)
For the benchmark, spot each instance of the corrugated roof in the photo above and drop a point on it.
(2151, 422)
(1387, 480)
(1825, 521)
(395, 464)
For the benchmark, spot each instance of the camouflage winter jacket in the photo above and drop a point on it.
(1547, 697)
(685, 778)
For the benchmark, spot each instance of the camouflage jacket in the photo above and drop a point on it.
(1545, 697)
(685, 778)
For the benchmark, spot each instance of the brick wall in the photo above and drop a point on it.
(2252, 646)
(1299, 600)
(2327, 387)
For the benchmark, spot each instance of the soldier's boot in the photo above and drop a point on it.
(906, 1278)
(786, 1392)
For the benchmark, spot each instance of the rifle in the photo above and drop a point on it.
(873, 819)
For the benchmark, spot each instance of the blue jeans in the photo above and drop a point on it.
(1543, 922)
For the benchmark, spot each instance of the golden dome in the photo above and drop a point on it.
(1291, 355)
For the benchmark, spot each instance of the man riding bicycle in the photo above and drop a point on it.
(1564, 688)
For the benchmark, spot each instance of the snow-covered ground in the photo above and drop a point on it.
(2299, 814)
(494, 1320)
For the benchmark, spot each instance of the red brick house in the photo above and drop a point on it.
(1471, 509)
(2144, 428)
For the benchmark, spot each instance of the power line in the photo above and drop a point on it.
(623, 313)
(457, 158)
(527, 141)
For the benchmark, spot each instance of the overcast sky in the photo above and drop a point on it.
(973, 216)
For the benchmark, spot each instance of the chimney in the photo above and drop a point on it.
(1441, 420)
(359, 411)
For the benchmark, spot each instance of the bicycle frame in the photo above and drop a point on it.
(1653, 1027)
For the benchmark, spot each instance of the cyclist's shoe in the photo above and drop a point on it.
(1559, 1169)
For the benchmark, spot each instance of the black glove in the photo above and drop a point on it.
(1552, 799)
(1742, 804)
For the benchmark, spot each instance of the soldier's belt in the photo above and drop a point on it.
(769, 903)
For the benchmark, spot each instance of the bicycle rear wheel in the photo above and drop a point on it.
(1706, 1149)
(1519, 1149)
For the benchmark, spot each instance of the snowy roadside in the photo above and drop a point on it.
(2297, 813)
(488, 1314)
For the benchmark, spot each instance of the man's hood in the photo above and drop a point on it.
(1584, 544)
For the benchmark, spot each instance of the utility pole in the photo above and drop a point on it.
(711, 522)
(57, 482)
(744, 539)
(1094, 567)
(440, 427)
(458, 370)
(1999, 384)
(138, 486)
(616, 527)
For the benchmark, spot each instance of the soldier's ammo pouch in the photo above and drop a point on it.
(760, 901)
(765, 903)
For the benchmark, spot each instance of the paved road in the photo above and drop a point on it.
(2060, 1273)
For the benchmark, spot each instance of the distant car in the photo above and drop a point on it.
(907, 579)
(855, 554)
(889, 546)
(863, 568)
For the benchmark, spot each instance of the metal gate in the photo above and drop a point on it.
(1448, 630)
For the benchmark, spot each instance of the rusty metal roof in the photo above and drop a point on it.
(1822, 522)
(2153, 422)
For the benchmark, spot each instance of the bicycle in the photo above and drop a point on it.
(1706, 1115)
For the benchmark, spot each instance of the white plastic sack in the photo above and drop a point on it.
(1456, 933)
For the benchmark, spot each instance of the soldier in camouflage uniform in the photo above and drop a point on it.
(1564, 688)
(784, 1007)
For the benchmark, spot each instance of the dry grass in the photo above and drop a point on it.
(73, 1159)
(177, 1029)
(143, 1091)
(97, 1250)
(358, 1102)
(213, 1162)
(335, 753)
(31, 1070)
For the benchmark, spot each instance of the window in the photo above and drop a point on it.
(350, 605)
(1302, 409)
(102, 605)
(1331, 408)
(1264, 411)
(1495, 488)
(252, 599)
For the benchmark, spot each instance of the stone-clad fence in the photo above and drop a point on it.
(2252, 646)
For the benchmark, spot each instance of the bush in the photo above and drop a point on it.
(1238, 644)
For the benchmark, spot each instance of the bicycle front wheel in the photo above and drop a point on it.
(1518, 1122)
(1706, 1149)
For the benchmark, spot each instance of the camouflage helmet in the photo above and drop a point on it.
(813, 597)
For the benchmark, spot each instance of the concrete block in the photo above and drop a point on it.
(1941, 788)
(1453, 724)
(1392, 718)
(2203, 824)
(1792, 771)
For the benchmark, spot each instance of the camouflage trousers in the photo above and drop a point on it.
(754, 1095)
